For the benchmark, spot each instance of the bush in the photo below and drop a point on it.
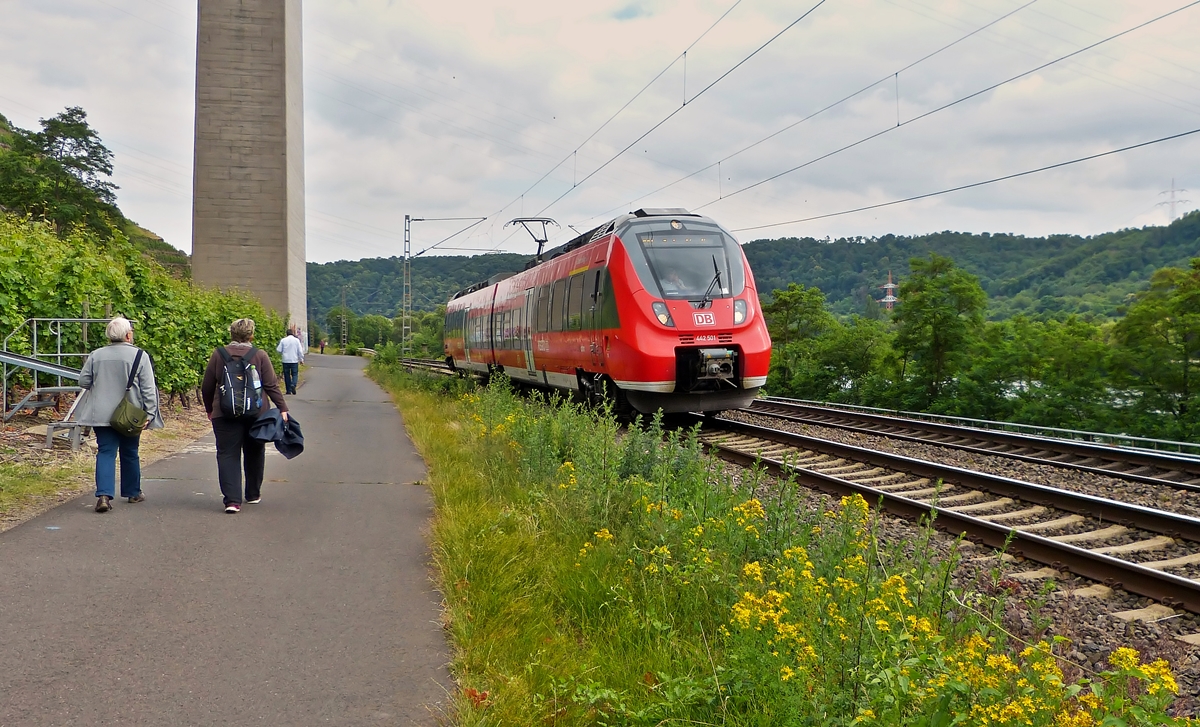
(178, 323)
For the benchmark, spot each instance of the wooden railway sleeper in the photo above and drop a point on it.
(954, 499)
(982, 507)
(1158, 542)
(898, 486)
(1014, 514)
(1057, 524)
(1092, 536)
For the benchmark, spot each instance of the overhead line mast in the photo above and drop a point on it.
(406, 296)
(1171, 202)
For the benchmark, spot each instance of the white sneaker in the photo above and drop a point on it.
(233, 508)
(255, 501)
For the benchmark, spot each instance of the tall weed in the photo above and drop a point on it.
(599, 576)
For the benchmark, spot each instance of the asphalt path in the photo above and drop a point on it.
(314, 607)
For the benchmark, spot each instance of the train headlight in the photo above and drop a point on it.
(739, 311)
(662, 314)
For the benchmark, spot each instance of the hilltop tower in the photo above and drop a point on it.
(889, 293)
(248, 184)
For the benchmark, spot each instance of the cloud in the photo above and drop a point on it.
(439, 109)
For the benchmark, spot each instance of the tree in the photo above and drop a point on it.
(371, 330)
(60, 174)
(796, 313)
(796, 317)
(67, 140)
(315, 333)
(939, 316)
(334, 321)
(1158, 344)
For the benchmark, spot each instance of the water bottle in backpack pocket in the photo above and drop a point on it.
(240, 386)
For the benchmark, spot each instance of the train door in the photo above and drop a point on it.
(527, 329)
(591, 304)
(468, 331)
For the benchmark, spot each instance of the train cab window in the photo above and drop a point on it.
(558, 304)
(542, 318)
(575, 303)
(685, 258)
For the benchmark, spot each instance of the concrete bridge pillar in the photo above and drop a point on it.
(248, 184)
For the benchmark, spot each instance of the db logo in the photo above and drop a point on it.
(704, 319)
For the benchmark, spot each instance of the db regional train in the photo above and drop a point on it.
(656, 310)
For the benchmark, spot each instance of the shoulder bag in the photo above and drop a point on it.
(129, 419)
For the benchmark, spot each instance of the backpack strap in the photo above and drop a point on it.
(224, 353)
(137, 359)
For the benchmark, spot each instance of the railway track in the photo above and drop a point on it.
(1139, 549)
(430, 366)
(1139, 465)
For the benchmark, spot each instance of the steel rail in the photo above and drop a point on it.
(437, 367)
(1161, 586)
(1140, 458)
(1172, 524)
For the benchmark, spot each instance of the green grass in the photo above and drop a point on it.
(23, 484)
(599, 577)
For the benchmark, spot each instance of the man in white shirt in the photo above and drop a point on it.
(293, 355)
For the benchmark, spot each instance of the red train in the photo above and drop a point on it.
(656, 308)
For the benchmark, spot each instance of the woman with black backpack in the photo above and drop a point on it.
(237, 377)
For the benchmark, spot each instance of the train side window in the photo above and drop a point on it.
(589, 298)
(558, 304)
(575, 303)
(542, 317)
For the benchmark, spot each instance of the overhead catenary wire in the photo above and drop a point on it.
(624, 106)
(478, 220)
(972, 185)
(574, 153)
(895, 74)
(951, 104)
(684, 105)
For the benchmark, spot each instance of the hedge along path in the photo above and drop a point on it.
(177, 322)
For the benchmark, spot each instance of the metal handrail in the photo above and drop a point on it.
(1126, 441)
(40, 361)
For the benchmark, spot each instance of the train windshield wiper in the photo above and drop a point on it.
(706, 301)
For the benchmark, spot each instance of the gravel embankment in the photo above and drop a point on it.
(1088, 622)
(1161, 497)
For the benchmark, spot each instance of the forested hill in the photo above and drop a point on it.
(1042, 277)
(60, 175)
(375, 285)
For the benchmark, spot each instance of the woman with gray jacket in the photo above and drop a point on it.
(103, 378)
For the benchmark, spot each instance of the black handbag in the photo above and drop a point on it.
(129, 419)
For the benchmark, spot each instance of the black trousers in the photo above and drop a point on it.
(238, 451)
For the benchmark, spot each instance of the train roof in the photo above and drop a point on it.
(591, 235)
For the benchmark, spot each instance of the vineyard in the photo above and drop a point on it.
(45, 275)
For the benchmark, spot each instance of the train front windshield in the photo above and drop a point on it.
(685, 258)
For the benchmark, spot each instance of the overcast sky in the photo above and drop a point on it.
(456, 109)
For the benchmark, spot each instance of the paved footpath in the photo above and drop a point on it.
(312, 608)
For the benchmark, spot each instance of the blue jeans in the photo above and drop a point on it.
(108, 443)
(291, 372)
